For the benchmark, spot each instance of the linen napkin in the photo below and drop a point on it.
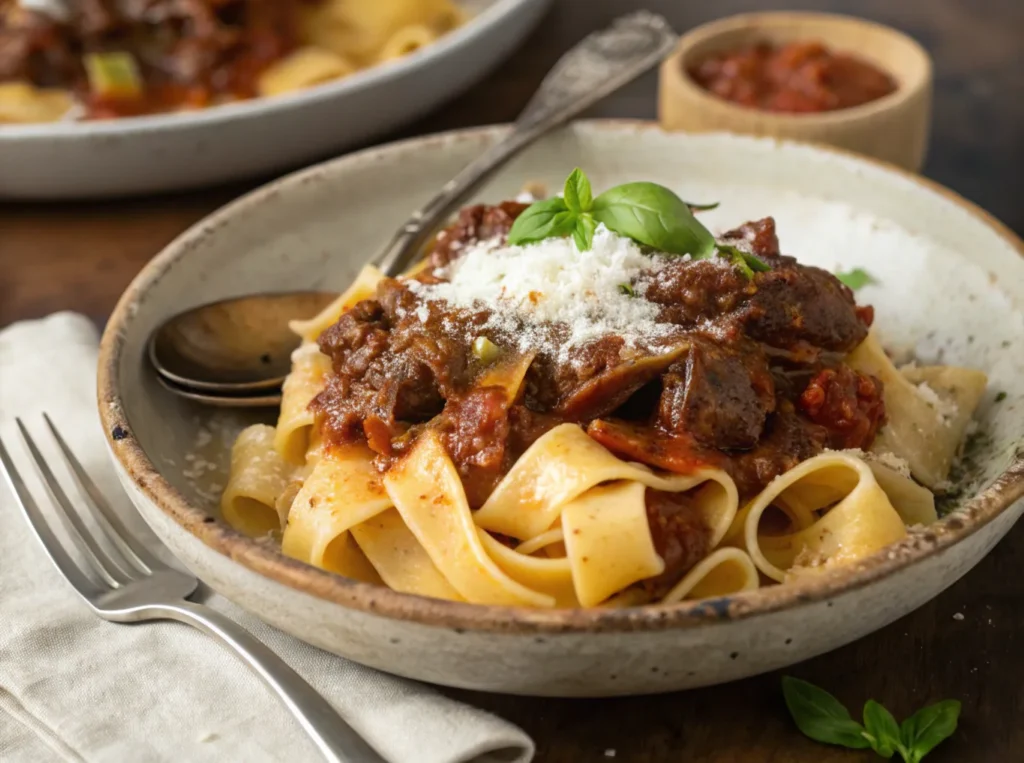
(76, 688)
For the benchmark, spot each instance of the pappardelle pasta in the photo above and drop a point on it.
(103, 59)
(583, 419)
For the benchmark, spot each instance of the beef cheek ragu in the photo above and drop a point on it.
(747, 375)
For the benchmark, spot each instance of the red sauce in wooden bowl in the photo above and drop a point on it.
(799, 77)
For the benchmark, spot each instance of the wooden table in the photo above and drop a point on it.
(81, 256)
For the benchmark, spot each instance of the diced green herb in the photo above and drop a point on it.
(856, 279)
(1000, 397)
(627, 289)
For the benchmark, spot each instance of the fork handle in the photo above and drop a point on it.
(336, 740)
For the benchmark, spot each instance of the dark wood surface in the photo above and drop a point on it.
(80, 256)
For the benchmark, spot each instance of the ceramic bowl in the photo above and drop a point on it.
(893, 128)
(951, 285)
(170, 152)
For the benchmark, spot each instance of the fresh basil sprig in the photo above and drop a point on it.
(823, 718)
(648, 213)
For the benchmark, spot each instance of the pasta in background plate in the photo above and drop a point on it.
(552, 424)
(72, 60)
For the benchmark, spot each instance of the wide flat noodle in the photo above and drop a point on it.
(364, 287)
(342, 491)
(723, 572)
(426, 489)
(925, 436)
(399, 559)
(308, 376)
(608, 541)
(565, 463)
(914, 504)
(552, 576)
(553, 537)
(258, 477)
(859, 519)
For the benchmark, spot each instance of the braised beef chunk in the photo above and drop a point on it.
(788, 440)
(371, 379)
(744, 374)
(692, 294)
(787, 306)
(799, 303)
(604, 378)
(680, 537)
(721, 394)
(476, 223)
(759, 234)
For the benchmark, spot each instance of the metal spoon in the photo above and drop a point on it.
(237, 347)
(223, 365)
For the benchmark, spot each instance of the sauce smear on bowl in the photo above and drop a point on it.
(799, 77)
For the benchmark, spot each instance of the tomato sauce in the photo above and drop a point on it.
(799, 77)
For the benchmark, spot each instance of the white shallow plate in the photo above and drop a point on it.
(171, 152)
(951, 285)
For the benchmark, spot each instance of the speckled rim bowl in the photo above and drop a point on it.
(893, 128)
(143, 478)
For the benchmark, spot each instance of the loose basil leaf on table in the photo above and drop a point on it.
(651, 214)
(930, 725)
(882, 729)
(549, 218)
(821, 716)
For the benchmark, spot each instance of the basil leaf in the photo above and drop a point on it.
(651, 214)
(922, 731)
(821, 716)
(702, 207)
(542, 220)
(883, 729)
(577, 194)
(856, 279)
(583, 234)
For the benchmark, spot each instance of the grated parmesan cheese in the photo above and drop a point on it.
(551, 281)
(945, 409)
(888, 459)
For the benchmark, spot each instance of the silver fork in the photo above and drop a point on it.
(132, 585)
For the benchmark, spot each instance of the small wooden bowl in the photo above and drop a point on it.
(893, 128)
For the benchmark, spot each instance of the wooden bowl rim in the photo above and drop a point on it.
(268, 561)
(912, 81)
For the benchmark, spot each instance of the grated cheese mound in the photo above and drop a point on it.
(945, 409)
(552, 281)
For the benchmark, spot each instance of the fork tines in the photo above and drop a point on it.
(118, 565)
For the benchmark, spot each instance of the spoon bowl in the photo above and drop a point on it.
(268, 398)
(240, 346)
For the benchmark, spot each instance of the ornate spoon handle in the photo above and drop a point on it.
(599, 65)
